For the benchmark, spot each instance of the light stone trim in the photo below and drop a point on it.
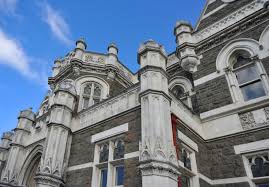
(207, 78)
(187, 141)
(212, 12)
(78, 167)
(107, 109)
(225, 181)
(234, 108)
(110, 133)
(252, 147)
(131, 155)
(90, 164)
(229, 20)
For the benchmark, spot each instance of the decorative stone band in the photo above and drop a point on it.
(159, 168)
(152, 68)
(224, 181)
(48, 179)
(156, 92)
(230, 20)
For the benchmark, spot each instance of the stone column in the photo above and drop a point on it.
(158, 160)
(54, 159)
(4, 148)
(17, 151)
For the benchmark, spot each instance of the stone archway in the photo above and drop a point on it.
(31, 171)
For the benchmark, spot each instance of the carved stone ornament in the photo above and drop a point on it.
(248, 120)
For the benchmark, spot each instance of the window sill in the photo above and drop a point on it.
(260, 180)
(234, 108)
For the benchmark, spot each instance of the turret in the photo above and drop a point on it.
(4, 147)
(157, 156)
(80, 48)
(112, 54)
(57, 67)
(185, 46)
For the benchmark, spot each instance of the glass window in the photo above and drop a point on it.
(185, 181)
(91, 94)
(259, 166)
(119, 175)
(186, 159)
(119, 150)
(263, 185)
(178, 91)
(103, 177)
(248, 78)
(104, 153)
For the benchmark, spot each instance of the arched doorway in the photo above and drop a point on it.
(31, 171)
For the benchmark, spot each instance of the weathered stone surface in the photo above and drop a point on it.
(213, 94)
(224, 163)
(132, 173)
(79, 178)
(82, 150)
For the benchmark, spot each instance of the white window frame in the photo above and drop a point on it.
(187, 87)
(235, 87)
(111, 163)
(191, 147)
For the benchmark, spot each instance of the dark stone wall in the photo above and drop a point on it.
(216, 158)
(204, 184)
(82, 150)
(231, 7)
(177, 70)
(213, 6)
(79, 178)
(245, 184)
(132, 173)
(213, 94)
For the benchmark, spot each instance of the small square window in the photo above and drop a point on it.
(103, 182)
(119, 176)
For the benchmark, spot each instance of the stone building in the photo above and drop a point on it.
(198, 117)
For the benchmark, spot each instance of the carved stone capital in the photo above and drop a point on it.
(158, 168)
(48, 179)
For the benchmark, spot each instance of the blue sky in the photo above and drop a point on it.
(33, 33)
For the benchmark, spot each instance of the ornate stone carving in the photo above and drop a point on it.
(266, 111)
(247, 120)
(94, 58)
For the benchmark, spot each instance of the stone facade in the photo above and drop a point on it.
(198, 117)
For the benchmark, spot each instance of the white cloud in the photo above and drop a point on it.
(8, 6)
(57, 24)
(14, 56)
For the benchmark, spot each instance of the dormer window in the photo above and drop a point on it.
(91, 94)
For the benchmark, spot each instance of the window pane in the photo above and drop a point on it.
(97, 91)
(186, 159)
(263, 185)
(178, 91)
(185, 181)
(119, 150)
(247, 74)
(96, 100)
(103, 182)
(119, 175)
(260, 168)
(253, 91)
(104, 153)
(86, 102)
(87, 89)
(241, 61)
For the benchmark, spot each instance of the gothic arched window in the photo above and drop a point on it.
(248, 75)
(180, 93)
(259, 166)
(91, 94)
